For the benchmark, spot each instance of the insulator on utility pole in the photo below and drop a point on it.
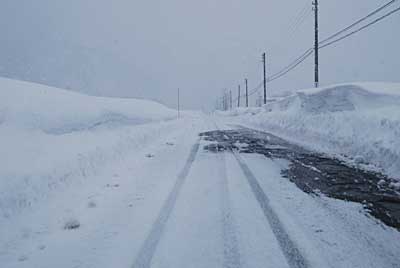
(316, 51)
(265, 78)
(247, 93)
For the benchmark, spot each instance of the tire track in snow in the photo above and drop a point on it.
(231, 250)
(293, 255)
(290, 250)
(146, 253)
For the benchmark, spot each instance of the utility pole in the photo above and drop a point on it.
(230, 99)
(239, 96)
(265, 78)
(225, 102)
(316, 72)
(179, 108)
(247, 93)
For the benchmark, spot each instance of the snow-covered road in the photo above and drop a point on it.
(173, 203)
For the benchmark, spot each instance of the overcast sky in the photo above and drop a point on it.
(150, 48)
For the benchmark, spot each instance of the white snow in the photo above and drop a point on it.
(127, 187)
(52, 137)
(57, 111)
(359, 121)
(81, 188)
(336, 233)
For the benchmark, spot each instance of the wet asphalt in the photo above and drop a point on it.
(316, 173)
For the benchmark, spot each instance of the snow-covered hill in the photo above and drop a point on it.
(50, 138)
(360, 121)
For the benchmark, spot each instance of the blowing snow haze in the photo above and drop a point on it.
(147, 49)
(99, 169)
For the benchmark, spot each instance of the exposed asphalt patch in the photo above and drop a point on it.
(314, 172)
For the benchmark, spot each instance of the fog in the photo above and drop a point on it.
(147, 49)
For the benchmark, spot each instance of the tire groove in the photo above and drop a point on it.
(146, 252)
(290, 250)
(231, 250)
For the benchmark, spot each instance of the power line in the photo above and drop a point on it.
(294, 62)
(298, 17)
(362, 28)
(358, 22)
(298, 25)
(308, 52)
(296, 21)
(254, 90)
(321, 44)
(292, 67)
(287, 69)
(300, 14)
(295, 25)
(299, 30)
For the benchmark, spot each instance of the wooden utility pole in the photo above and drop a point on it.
(316, 52)
(225, 101)
(265, 78)
(179, 108)
(247, 93)
(239, 96)
(230, 99)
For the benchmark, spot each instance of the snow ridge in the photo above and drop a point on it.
(52, 138)
(358, 121)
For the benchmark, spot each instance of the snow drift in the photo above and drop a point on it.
(358, 121)
(58, 111)
(50, 138)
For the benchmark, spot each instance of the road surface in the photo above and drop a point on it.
(189, 200)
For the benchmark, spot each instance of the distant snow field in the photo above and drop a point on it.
(359, 121)
(52, 137)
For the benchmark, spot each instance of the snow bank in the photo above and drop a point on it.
(360, 121)
(60, 111)
(240, 111)
(51, 138)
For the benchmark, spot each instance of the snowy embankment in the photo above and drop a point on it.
(51, 138)
(360, 122)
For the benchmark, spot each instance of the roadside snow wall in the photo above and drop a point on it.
(358, 121)
(51, 138)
